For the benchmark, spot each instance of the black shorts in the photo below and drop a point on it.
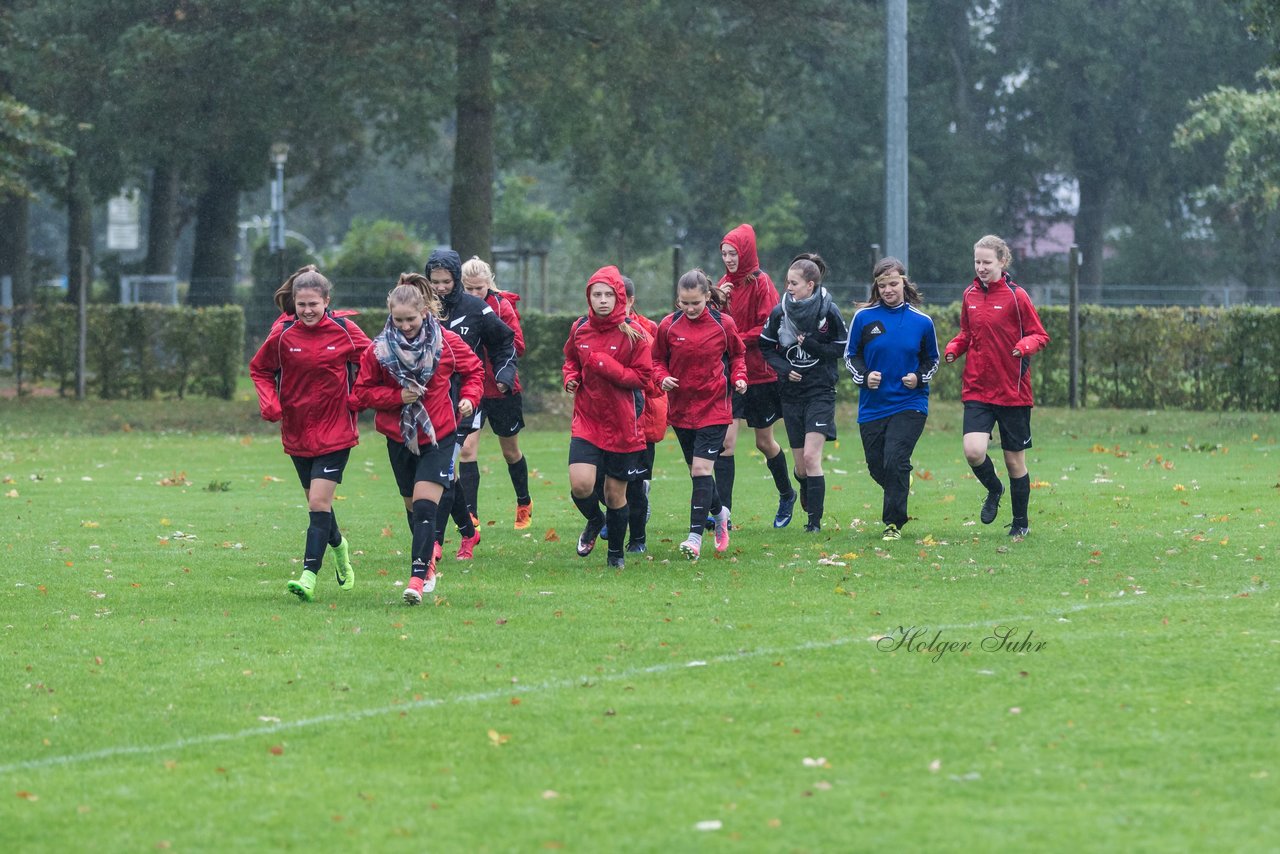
(760, 406)
(328, 467)
(646, 460)
(703, 442)
(626, 466)
(813, 413)
(1014, 421)
(505, 414)
(434, 464)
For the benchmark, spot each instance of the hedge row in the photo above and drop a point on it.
(135, 351)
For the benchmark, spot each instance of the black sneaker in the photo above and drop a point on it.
(991, 507)
(616, 562)
(1018, 531)
(812, 528)
(636, 547)
(587, 541)
(786, 503)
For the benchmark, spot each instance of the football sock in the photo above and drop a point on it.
(638, 504)
(817, 489)
(519, 471)
(1020, 496)
(335, 535)
(616, 517)
(317, 538)
(725, 470)
(469, 480)
(704, 485)
(589, 507)
(424, 535)
(986, 474)
(778, 468)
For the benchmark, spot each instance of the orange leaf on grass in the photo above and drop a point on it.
(276, 750)
(551, 536)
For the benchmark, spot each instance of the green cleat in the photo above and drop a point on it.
(304, 587)
(342, 557)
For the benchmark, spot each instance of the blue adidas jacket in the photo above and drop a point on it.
(896, 342)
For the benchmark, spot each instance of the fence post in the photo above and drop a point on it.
(677, 256)
(6, 303)
(82, 310)
(1073, 315)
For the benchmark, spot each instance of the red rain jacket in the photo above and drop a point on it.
(695, 352)
(993, 321)
(752, 297)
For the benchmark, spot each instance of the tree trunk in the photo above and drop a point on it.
(471, 197)
(1091, 221)
(213, 265)
(162, 232)
(15, 249)
(79, 229)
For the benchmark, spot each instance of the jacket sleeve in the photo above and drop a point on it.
(771, 349)
(572, 368)
(928, 354)
(661, 368)
(736, 349)
(372, 390)
(854, 359)
(508, 316)
(262, 369)
(470, 369)
(829, 348)
(499, 344)
(1034, 337)
(960, 344)
(764, 311)
(634, 372)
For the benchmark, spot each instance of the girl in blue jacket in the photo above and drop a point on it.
(892, 355)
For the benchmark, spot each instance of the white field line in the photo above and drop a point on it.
(549, 686)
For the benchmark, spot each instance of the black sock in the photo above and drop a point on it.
(725, 470)
(816, 486)
(408, 515)
(335, 535)
(986, 474)
(803, 489)
(589, 507)
(617, 520)
(1020, 496)
(638, 502)
(424, 534)
(700, 503)
(462, 517)
(444, 511)
(519, 471)
(469, 480)
(317, 537)
(778, 468)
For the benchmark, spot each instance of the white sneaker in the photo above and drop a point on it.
(691, 547)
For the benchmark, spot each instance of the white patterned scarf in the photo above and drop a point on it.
(412, 363)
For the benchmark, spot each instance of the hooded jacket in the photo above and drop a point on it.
(300, 373)
(611, 371)
(994, 320)
(379, 390)
(472, 320)
(504, 305)
(752, 297)
(706, 355)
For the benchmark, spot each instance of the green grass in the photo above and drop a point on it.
(165, 691)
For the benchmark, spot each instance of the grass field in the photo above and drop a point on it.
(1108, 684)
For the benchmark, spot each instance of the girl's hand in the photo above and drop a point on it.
(669, 383)
(409, 395)
(502, 387)
(950, 357)
(1017, 354)
(571, 386)
(465, 408)
(800, 338)
(271, 412)
(795, 377)
(873, 379)
(910, 380)
(740, 386)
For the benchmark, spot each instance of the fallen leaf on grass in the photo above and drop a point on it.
(276, 750)
(497, 739)
(13, 493)
(551, 536)
(177, 478)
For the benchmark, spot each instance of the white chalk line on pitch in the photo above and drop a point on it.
(545, 687)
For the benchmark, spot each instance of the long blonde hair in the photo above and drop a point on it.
(414, 289)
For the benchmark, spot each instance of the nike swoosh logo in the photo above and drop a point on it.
(819, 424)
(635, 471)
(1027, 442)
(329, 471)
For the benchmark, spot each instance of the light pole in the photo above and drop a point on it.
(279, 154)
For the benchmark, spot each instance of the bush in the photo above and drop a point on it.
(378, 249)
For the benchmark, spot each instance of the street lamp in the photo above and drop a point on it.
(279, 154)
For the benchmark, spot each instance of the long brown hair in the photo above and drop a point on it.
(887, 267)
(308, 277)
(697, 280)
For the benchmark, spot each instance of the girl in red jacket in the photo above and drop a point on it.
(301, 373)
(752, 296)
(503, 407)
(999, 329)
(696, 355)
(406, 377)
(607, 365)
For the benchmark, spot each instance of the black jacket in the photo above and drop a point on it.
(472, 320)
(816, 360)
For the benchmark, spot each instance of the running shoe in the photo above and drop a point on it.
(475, 521)
(616, 562)
(812, 528)
(722, 529)
(429, 585)
(437, 552)
(1018, 531)
(891, 532)
(587, 541)
(468, 545)
(524, 515)
(637, 547)
(991, 506)
(786, 503)
(691, 547)
(413, 591)
(304, 586)
(342, 557)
